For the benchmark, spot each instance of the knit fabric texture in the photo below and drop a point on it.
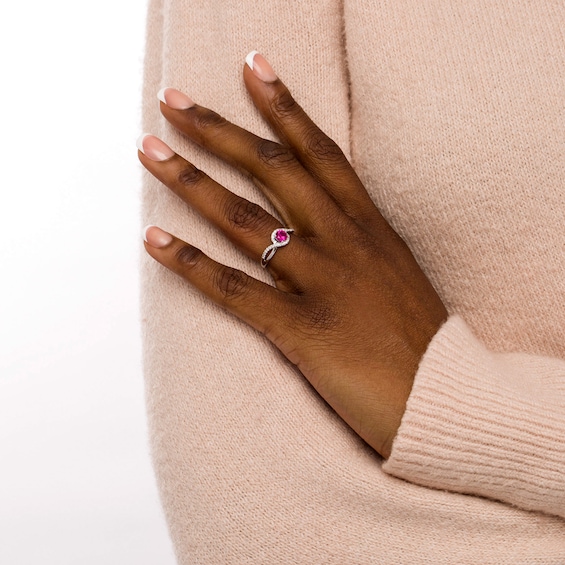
(453, 115)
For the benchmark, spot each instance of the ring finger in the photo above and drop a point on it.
(243, 222)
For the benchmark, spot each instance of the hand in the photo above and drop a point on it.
(350, 308)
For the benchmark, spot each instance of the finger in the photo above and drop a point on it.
(244, 223)
(295, 194)
(319, 154)
(258, 304)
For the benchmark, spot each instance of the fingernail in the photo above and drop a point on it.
(175, 99)
(258, 64)
(156, 237)
(153, 147)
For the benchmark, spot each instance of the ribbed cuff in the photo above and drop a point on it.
(483, 423)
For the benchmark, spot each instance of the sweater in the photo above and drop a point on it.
(453, 115)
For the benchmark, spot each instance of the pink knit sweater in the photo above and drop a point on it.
(453, 114)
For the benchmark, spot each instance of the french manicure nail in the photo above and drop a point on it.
(153, 147)
(258, 64)
(156, 237)
(175, 99)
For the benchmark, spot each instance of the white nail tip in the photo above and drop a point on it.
(250, 57)
(145, 232)
(139, 141)
(161, 94)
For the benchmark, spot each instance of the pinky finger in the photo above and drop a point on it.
(256, 303)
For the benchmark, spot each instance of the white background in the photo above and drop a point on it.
(76, 485)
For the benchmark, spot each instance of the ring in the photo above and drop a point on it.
(280, 237)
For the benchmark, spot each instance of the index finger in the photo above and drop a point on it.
(319, 154)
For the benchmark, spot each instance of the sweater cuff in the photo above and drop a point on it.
(479, 422)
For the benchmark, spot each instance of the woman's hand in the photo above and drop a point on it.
(351, 307)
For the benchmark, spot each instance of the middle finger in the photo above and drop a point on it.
(291, 189)
(245, 223)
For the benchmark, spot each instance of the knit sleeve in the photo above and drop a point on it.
(485, 423)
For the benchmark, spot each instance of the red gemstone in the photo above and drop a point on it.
(281, 236)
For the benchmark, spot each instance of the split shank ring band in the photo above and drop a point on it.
(280, 237)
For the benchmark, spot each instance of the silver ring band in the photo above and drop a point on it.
(280, 237)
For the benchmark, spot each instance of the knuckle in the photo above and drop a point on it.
(243, 214)
(320, 146)
(189, 176)
(206, 119)
(365, 247)
(320, 316)
(188, 256)
(231, 282)
(273, 154)
(283, 104)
